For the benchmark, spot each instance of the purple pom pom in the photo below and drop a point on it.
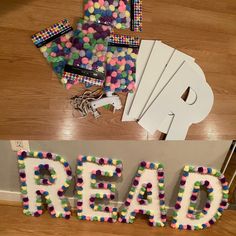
(143, 164)
(200, 169)
(49, 155)
(22, 175)
(177, 206)
(101, 161)
(135, 183)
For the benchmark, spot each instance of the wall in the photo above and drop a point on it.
(174, 155)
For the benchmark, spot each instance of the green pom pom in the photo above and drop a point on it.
(175, 214)
(181, 190)
(161, 165)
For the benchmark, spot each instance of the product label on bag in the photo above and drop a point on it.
(124, 41)
(85, 72)
(51, 33)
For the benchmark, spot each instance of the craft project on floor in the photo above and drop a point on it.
(167, 90)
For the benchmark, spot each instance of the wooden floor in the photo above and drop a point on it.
(13, 222)
(34, 105)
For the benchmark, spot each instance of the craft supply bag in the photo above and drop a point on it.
(110, 12)
(55, 44)
(136, 16)
(88, 54)
(121, 63)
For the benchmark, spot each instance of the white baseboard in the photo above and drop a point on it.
(10, 196)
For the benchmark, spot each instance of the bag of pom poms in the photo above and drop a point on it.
(121, 63)
(88, 55)
(136, 16)
(109, 12)
(55, 44)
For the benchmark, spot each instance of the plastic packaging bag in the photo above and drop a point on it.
(55, 44)
(136, 16)
(109, 12)
(88, 55)
(121, 63)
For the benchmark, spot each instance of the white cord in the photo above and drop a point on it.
(232, 179)
(229, 159)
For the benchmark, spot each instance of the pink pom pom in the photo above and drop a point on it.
(147, 163)
(113, 87)
(102, 58)
(130, 63)
(90, 3)
(48, 45)
(91, 30)
(86, 7)
(53, 54)
(68, 44)
(108, 79)
(183, 178)
(112, 62)
(123, 62)
(105, 27)
(59, 46)
(117, 84)
(130, 87)
(85, 60)
(114, 74)
(121, 3)
(100, 47)
(86, 39)
(19, 153)
(101, 2)
(63, 39)
(122, 8)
